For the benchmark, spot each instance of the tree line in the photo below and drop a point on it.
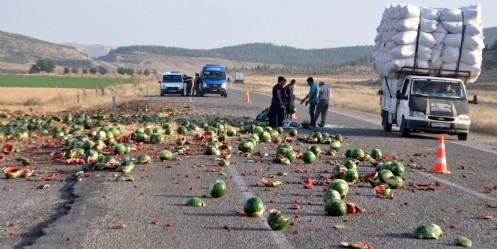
(264, 53)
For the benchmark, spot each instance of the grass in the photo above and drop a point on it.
(360, 93)
(46, 81)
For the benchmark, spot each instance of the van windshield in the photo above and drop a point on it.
(438, 88)
(214, 75)
(171, 79)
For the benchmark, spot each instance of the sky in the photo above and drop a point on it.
(206, 24)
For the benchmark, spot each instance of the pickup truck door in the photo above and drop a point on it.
(403, 101)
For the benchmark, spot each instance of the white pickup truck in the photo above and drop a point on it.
(420, 101)
(172, 83)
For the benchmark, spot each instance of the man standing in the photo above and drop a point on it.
(323, 102)
(313, 100)
(196, 85)
(278, 104)
(188, 80)
(289, 89)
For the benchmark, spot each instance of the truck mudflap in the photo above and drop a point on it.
(437, 127)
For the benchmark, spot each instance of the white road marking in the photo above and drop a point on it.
(467, 190)
(280, 239)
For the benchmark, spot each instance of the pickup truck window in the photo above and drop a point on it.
(439, 89)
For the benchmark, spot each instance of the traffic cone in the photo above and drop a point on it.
(440, 166)
(247, 97)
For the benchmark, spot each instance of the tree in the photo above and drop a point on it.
(121, 70)
(139, 72)
(146, 72)
(66, 70)
(93, 70)
(46, 65)
(74, 70)
(102, 70)
(130, 71)
(34, 69)
(84, 71)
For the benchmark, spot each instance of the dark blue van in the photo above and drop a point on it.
(214, 80)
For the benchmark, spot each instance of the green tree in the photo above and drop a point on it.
(66, 70)
(102, 70)
(121, 70)
(93, 70)
(130, 71)
(34, 69)
(146, 72)
(84, 71)
(74, 70)
(139, 72)
(46, 65)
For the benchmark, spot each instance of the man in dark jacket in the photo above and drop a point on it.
(278, 103)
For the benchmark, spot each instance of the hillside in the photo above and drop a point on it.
(260, 53)
(93, 50)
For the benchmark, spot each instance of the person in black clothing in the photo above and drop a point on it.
(278, 103)
(196, 85)
(188, 80)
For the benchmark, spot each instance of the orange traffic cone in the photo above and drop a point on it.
(247, 98)
(441, 162)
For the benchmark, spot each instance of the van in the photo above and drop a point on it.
(214, 80)
(172, 83)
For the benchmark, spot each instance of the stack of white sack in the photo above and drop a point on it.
(443, 38)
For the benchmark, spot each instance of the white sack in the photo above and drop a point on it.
(427, 39)
(408, 51)
(405, 37)
(451, 14)
(428, 25)
(409, 10)
(430, 13)
(473, 69)
(400, 63)
(453, 27)
(470, 57)
(407, 24)
(470, 42)
(440, 33)
(436, 55)
(472, 13)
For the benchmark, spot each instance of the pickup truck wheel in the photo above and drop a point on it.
(386, 126)
(462, 136)
(404, 132)
(182, 94)
(201, 94)
(225, 95)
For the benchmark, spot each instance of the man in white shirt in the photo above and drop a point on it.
(323, 102)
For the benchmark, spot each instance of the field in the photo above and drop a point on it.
(46, 81)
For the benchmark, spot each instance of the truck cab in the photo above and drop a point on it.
(426, 103)
(213, 80)
(172, 82)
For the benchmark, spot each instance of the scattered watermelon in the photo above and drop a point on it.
(195, 202)
(277, 221)
(335, 207)
(217, 189)
(254, 207)
(430, 231)
(341, 186)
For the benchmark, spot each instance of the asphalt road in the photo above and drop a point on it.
(81, 214)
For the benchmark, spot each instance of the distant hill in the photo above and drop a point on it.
(490, 36)
(94, 50)
(262, 53)
(20, 49)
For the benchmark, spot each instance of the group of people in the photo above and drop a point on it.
(283, 102)
(189, 82)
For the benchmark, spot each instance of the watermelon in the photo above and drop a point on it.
(231, 132)
(12, 172)
(217, 189)
(120, 149)
(254, 207)
(339, 171)
(126, 166)
(335, 207)
(309, 157)
(182, 130)
(397, 169)
(293, 132)
(165, 155)
(350, 164)
(358, 154)
(395, 182)
(376, 154)
(430, 231)
(125, 178)
(315, 149)
(195, 202)
(331, 194)
(351, 176)
(246, 146)
(156, 138)
(143, 159)
(277, 221)
(339, 185)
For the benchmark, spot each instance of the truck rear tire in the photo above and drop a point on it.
(386, 126)
(462, 136)
(201, 94)
(404, 132)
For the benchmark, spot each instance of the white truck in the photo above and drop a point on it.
(424, 58)
(430, 102)
(239, 77)
(172, 82)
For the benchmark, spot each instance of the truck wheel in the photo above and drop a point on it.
(386, 126)
(225, 95)
(462, 136)
(161, 93)
(182, 94)
(404, 132)
(201, 94)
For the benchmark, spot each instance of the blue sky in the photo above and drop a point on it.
(208, 23)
